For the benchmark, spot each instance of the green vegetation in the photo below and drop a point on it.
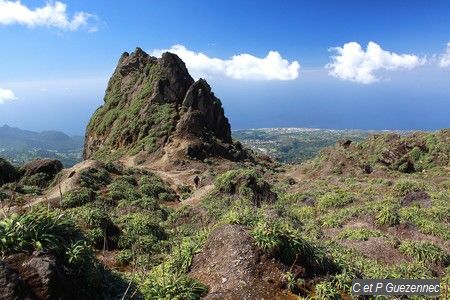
(425, 252)
(121, 118)
(37, 230)
(405, 186)
(294, 145)
(321, 231)
(358, 234)
(78, 197)
(335, 199)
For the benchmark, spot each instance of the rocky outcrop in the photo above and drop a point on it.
(50, 167)
(148, 102)
(246, 183)
(204, 111)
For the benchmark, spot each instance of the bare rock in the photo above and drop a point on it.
(417, 197)
(50, 167)
(12, 286)
(233, 267)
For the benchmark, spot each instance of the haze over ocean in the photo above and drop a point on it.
(295, 64)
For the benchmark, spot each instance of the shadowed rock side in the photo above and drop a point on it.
(148, 102)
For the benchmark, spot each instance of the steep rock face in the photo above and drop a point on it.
(204, 111)
(148, 100)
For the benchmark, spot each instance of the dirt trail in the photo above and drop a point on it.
(197, 196)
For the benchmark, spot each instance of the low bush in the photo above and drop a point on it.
(77, 197)
(424, 251)
(285, 243)
(405, 186)
(388, 215)
(123, 189)
(94, 178)
(174, 287)
(40, 180)
(36, 230)
(335, 199)
(326, 291)
(142, 232)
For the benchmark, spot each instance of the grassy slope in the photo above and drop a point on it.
(336, 227)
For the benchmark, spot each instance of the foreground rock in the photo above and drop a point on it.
(233, 268)
(12, 286)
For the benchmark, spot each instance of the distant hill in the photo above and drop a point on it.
(19, 145)
(294, 145)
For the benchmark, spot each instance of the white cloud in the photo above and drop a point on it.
(6, 95)
(354, 64)
(53, 14)
(241, 66)
(444, 60)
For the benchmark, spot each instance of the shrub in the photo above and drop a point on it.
(94, 178)
(174, 287)
(326, 291)
(113, 167)
(243, 216)
(335, 199)
(425, 252)
(36, 230)
(122, 188)
(182, 256)
(286, 244)
(405, 186)
(33, 190)
(40, 180)
(388, 215)
(267, 236)
(77, 197)
(3, 196)
(152, 186)
(141, 231)
(185, 191)
(124, 256)
(359, 234)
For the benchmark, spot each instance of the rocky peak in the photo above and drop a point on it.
(148, 100)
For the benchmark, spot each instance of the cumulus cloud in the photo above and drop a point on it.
(444, 61)
(241, 66)
(6, 95)
(354, 64)
(53, 14)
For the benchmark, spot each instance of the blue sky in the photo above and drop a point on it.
(54, 64)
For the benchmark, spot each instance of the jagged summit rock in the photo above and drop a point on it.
(149, 103)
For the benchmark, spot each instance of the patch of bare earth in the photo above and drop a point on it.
(233, 268)
(377, 249)
(408, 231)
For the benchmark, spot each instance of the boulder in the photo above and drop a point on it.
(12, 287)
(50, 167)
(234, 268)
(417, 197)
(45, 276)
